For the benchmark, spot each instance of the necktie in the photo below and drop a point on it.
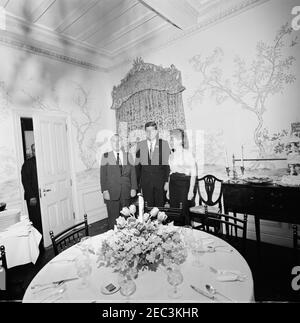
(119, 162)
(151, 149)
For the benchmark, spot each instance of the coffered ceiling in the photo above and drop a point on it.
(104, 33)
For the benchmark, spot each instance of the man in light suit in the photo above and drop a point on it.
(152, 166)
(117, 179)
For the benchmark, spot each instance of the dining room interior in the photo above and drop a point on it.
(84, 84)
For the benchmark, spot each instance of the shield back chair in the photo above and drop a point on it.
(70, 236)
(209, 191)
(3, 275)
(174, 214)
(230, 228)
(296, 243)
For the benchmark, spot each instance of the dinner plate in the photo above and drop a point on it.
(105, 288)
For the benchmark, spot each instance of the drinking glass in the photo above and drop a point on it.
(84, 269)
(85, 244)
(175, 278)
(197, 251)
(127, 284)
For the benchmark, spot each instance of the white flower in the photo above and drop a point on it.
(132, 209)
(125, 211)
(121, 222)
(161, 216)
(154, 212)
(146, 217)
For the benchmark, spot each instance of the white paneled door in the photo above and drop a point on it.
(54, 175)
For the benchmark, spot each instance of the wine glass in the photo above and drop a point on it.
(84, 269)
(197, 250)
(85, 244)
(175, 278)
(127, 285)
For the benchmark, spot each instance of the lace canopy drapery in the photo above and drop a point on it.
(148, 93)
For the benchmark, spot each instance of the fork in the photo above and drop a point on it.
(36, 289)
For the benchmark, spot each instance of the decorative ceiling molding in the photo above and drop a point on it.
(43, 41)
(13, 43)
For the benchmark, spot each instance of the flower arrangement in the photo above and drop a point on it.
(141, 243)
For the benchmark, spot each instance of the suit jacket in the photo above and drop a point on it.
(113, 180)
(155, 167)
(29, 179)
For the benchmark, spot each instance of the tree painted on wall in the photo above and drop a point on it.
(251, 86)
(87, 148)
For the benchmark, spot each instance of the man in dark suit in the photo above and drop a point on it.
(31, 192)
(117, 179)
(152, 165)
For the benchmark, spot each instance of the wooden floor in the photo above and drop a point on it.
(271, 267)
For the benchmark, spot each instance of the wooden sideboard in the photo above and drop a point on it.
(268, 202)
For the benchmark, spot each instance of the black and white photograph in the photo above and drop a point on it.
(149, 154)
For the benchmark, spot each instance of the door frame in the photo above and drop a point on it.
(32, 113)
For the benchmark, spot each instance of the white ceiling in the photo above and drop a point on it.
(105, 32)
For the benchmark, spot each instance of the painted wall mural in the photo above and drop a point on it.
(251, 85)
(87, 146)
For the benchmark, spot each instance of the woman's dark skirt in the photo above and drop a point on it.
(179, 188)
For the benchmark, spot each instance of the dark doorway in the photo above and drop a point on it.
(27, 137)
(29, 175)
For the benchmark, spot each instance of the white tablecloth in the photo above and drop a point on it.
(151, 286)
(21, 242)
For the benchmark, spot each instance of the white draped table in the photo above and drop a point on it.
(150, 286)
(21, 242)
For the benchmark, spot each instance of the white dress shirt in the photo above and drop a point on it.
(151, 145)
(120, 156)
(183, 161)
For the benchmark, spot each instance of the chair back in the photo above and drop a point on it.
(296, 243)
(232, 229)
(174, 214)
(70, 236)
(213, 193)
(3, 274)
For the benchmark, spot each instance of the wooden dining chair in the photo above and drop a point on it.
(296, 242)
(209, 191)
(174, 214)
(230, 228)
(70, 236)
(3, 274)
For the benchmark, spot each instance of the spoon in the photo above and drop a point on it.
(213, 291)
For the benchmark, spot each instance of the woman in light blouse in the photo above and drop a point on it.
(183, 173)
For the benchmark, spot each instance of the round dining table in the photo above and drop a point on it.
(219, 265)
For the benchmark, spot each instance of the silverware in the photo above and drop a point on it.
(38, 290)
(61, 260)
(202, 292)
(213, 291)
(213, 249)
(58, 282)
(240, 277)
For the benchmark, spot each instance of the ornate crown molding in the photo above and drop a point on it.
(145, 76)
(48, 53)
(13, 43)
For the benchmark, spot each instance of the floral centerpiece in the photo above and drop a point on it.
(142, 242)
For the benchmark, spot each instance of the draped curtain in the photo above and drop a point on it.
(148, 93)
